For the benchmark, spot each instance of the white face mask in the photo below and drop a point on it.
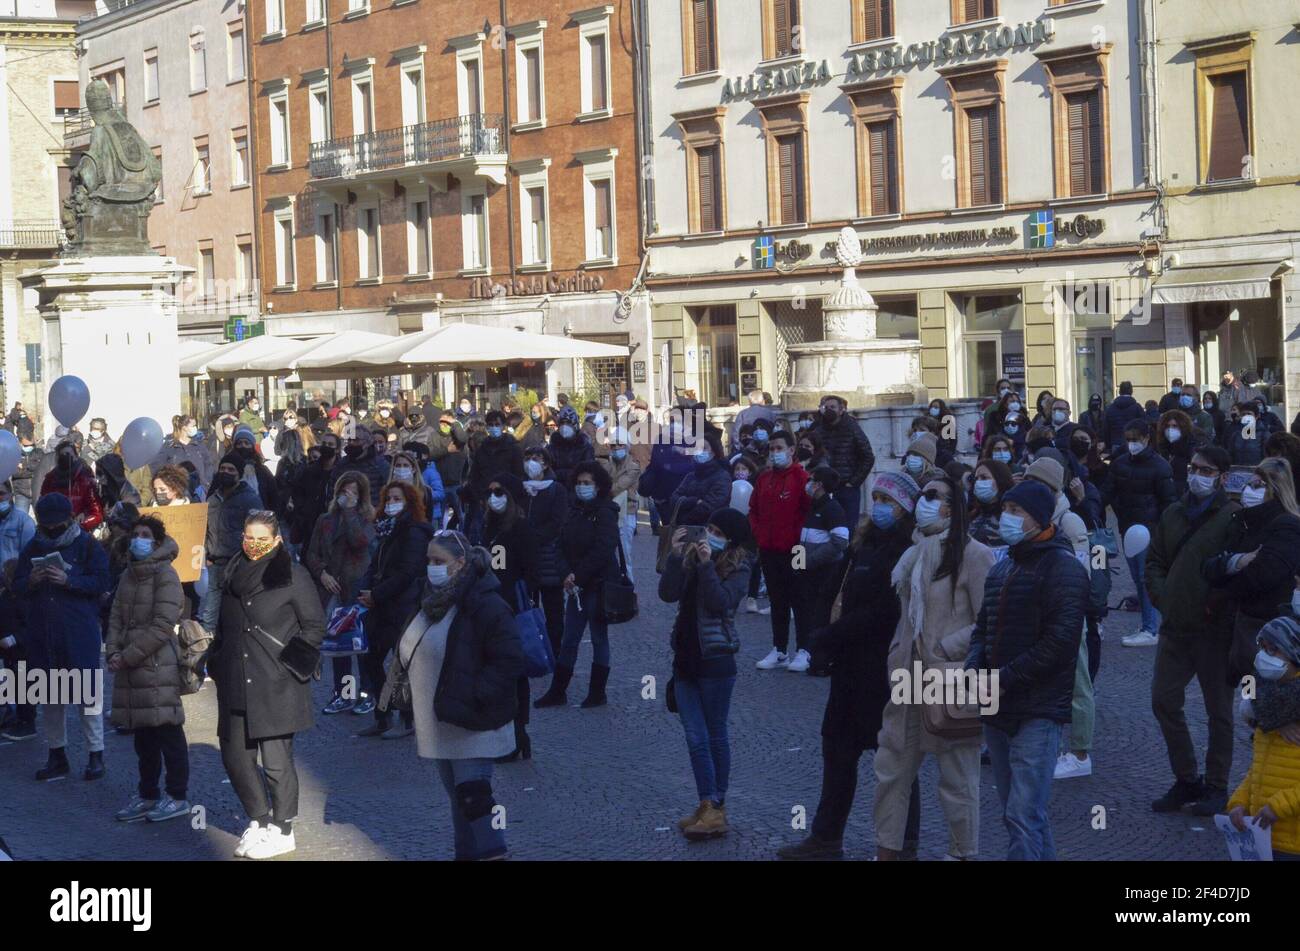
(497, 503)
(534, 469)
(394, 508)
(1201, 485)
(1135, 447)
(566, 432)
(1251, 496)
(403, 473)
(927, 512)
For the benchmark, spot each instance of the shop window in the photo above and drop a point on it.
(717, 359)
(896, 319)
(993, 335)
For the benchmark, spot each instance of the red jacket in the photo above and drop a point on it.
(778, 507)
(84, 494)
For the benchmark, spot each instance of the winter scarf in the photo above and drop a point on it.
(533, 486)
(1277, 704)
(916, 570)
(436, 602)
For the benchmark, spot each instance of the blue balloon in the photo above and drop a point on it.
(69, 399)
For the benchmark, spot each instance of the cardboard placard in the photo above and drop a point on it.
(188, 524)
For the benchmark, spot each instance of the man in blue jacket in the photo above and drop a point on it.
(63, 633)
(1027, 634)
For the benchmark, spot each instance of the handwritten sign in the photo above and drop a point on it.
(1253, 845)
(188, 525)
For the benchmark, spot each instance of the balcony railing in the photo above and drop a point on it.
(437, 141)
(42, 233)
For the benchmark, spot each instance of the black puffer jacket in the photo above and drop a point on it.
(484, 660)
(567, 453)
(588, 541)
(701, 493)
(396, 573)
(1122, 411)
(1139, 488)
(856, 647)
(195, 452)
(494, 457)
(848, 451)
(1029, 628)
(1267, 582)
(547, 511)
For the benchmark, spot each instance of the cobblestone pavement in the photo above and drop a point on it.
(609, 783)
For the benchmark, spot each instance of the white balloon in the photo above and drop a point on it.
(11, 454)
(141, 440)
(69, 399)
(740, 493)
(1136, 540)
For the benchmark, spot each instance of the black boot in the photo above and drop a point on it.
(554, 697)
(56, 766)
(1181, 793)
(523, 746)
(596, 692)
(95, 767)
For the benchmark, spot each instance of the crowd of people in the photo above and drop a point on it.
(436, 530)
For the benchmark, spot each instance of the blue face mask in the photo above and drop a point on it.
(1002, 456)
(760, 435)
(142, 547)
(702, 457)
(1011, 528)
(4, 508)
(618, 455)
(716, 543)
(780, 458)
(882, 515)
(585, 492)
(915, 464)
(1010, 430)
(494, 431)
(1186, 402)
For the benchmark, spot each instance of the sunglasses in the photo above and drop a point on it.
(935, 495)
(498, 493)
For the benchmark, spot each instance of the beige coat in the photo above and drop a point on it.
(142, 630)
(948, 619)
(624, 475)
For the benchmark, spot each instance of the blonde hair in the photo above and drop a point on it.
(1277, 475)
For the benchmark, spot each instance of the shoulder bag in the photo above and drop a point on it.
(620, 595)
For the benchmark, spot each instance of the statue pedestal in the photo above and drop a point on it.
(112, 322)
(867, 373)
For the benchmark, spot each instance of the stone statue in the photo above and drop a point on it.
(113, 184)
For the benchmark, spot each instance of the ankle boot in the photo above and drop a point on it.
(596, 691)
(711, 823)
(95, 767)
(555, 696)
(56, 765)
(523, 742)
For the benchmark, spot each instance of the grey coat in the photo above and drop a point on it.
(716, 601)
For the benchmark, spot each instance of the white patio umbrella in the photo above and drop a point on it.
(195, 354)
(257, 356)
(328, 351)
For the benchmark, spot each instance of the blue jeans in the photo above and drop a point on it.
(703, 706)
(578, 614)
(468, 785)
(1137, 568)
(1023, 765)
(210, 603)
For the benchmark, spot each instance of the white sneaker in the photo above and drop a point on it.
(766, 610)
(270, 843)
(1068, 766)
(1140, 639)
(800, 663)
(773, 660)
(751, 605)
(248, 838)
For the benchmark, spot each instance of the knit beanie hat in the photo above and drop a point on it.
(1036, 499)
(734, 525)
(1283, 635)
(54, 508)
(926, 446)
(1047, 471)
(243, 431)
(900, 487)
(233, 459)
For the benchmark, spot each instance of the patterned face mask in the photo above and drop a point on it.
(256, 548)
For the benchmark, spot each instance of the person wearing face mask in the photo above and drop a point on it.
(940, 585)
(945, 427)
(293, 442)
(185, 443)
(386, 417)
(1195, 628)
(1027, 632)
(1172, 399)
(854, 647)
(465, 411)
(73, 478)
(778, 507)
(1234, 390)
(848, 452)
(825, 539)
(251, 416)
(144, 655)
(1176, 441)
(569, 446)
(406, 468)
(1269, 793)
(751, 414)
(223, 431)
(745, 468)
(1244, 436)
(1122, 410)
(390, 589)
(588, 543)
(1004, 391)
(594, 426)
(230, 500)
(1015, 426)
(992, 481)
(245, 445)
(546, 508)
(1086, 461)
(337, 557)
(33, 466)
(1139, 486)
(761, 438)
(1094, 419)
(263, 660)
(927, 424)
(624, 473)
(1000, 448)
(171, 486)
(707, 581)
(1061, 426)
(310, 488)
(98, 445)
(705, 489)
(463, 659)
(63, 624)
(426, 471)
(16, 526)
(498, 454)
(919, 459)
(1189, 402)
(532, 432)
(359, 456)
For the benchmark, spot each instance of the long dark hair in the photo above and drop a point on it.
(954, 549)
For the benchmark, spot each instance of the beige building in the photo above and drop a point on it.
(1228, 290)
(179, 67)
(38, 73)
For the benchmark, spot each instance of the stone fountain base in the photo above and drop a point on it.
(867, 373)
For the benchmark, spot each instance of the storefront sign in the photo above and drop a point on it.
(775, 81)
(536, 285)
(768, 251)
(1081, 226)
(638, 371)
(1013, 366)
(990, 42)
(955, 238)
(1042, 228)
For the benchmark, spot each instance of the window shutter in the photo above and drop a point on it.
(977, 134)
(1228, 132)
(973, 10)
(790, 165)
(534, 61)
(599, 99)
(601, 190)
(706, 165)
(66, 95)
(1077, 109)
(703, 35)
(781, 26)
(993, 158)
(472, 88)
(1096, 141)
(885, 19)
(884, 167)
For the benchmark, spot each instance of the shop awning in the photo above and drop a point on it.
(194, 356)
(328, 351)
(257, 356)
(1228, 282)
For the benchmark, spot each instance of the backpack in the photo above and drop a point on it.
(192, 655)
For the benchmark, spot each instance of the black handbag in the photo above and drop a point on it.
(620, 595)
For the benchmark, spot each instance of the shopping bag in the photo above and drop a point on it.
(345, 631)
(531, 622)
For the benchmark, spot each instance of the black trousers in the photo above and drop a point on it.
(840, 784)
(156, 745)
(783, 591)
(278, 774)
(1092, 631)
(553, 608)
